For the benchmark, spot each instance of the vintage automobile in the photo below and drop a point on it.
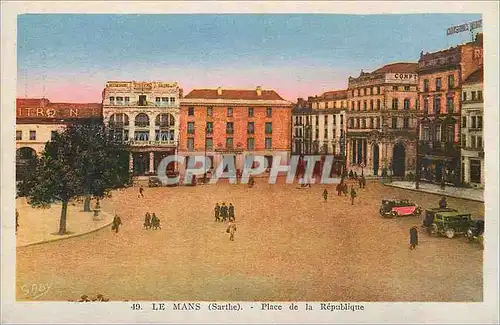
(476, 230)
(450, 223)
(396, 208)
(430, 213)
(154, 181)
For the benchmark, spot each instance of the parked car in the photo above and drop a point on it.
(430, 213)
(476, 230)
(396, 208)
(450, 223)
(154, 181)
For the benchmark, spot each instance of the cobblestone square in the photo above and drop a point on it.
(289, 246)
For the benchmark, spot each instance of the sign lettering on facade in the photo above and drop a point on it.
(165, 85)
(406, 78)
(143, 86)
(118, 84)
(462, 28)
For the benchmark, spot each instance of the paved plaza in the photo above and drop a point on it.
(289, 246)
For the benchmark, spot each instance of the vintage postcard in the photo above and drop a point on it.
(249, 162)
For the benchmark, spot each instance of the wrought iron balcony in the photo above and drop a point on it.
(150, 142)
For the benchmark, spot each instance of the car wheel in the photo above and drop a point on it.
(393, 214)
(469, 235)
(433, 230)
(418, 211)
(450, 233)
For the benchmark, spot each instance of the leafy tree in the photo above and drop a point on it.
(79, 162)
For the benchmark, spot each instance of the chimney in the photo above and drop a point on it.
(219, 91)
(259, 91)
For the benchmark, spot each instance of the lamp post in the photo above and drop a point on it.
(417, 163)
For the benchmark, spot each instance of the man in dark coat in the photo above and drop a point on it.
(325, 194)
(351, 174)
(141, 191)
(340, 189)
(147, 221)
(231, 212)
(17, 220)
(353, 195)
(217, 212)
(223, 211)
(116, 223)
(442, 203)
(413, 237)
(363, 181)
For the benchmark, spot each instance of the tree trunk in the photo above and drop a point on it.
(86, 204)
(62, 221)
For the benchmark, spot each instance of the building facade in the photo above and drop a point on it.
(382, 120)
(146, 116)
(472, 137)
(441, 77)
(224, 122)
(37, 119)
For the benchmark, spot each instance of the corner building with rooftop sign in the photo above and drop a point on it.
(146, 116)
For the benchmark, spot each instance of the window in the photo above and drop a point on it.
(157, 100)
(269, 127)
(172, 100)
(229, 128)
(190, 144)
(210, 111)
(378, 90)
(190, 129)
(473, 141)
(438, 84)
(119, 100)
(438, 133)
(210, 143)
(363, 123)
(394, 103)
(425, 133)
(378, 104)
(479, 122)
(426, 85)
(326, 133)
(426, 105)
(229, 143)
(449, 105)
(353, 93)
(450, 133)
(479, 142)
(394, 123)
(142, 100)
(417, 106)
(112, 100)
(19, 135)
(53, 134)
(365, 105)
(250, 112)
(316, 134)
(406, 104)
(359, 105)
(269, 112)
(269, 143)
(451, 81)
(362, 92)
(395, 88)
(190, 111)
(341, 119)
(464, 96)
(464, 121)
(407, 88)
(473, 124)
(250, 144)
(141, 135)
(464, 141)
(374, 90)
(127, 100)
(250, 128)
(378, 122)
(473, 95)
(437, 105)
(406, 123)
(32, 135)
(475, 171)
(229, 112)
(479, 95)
(210, 128)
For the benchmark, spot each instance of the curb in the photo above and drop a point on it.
(67, 237)
(441, 194)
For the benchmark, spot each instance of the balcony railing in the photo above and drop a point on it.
(164, 124)
(150, 142)
(142, 124)
(118, 124)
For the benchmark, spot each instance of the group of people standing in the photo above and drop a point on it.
(224, 212)
(151, 221)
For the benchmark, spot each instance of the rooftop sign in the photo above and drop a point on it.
(462, 28)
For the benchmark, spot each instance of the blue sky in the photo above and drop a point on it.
(298, 55)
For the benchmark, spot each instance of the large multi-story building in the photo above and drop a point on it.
(441, 77)
(37, 119)
(219, 122)
(382, 118)
(319, 126)
(472, 130)
(145, 115)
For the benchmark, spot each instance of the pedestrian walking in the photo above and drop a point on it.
(117, 221)
(17, 220)
(141, 191)
(351, 174)
(345, 189)
(443, 203)
(217, 212)
(355, 175)
(231, 229)
(223, 211)
(363, 181)
(360, 182)
(325, 194)
(147, 221)
(155, 222)
(353, 195)
(231, 212)
(340, 189)
(413, 237)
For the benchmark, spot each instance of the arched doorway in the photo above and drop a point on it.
(376, 158)
(25, 162)
(398, 159)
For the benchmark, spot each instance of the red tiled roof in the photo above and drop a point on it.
(403, 67)
(43, 109)
(335, 94)
(475, 77)
(233, 94)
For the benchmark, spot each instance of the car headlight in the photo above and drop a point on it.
(469, 232)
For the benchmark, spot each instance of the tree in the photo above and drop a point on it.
(81, 161)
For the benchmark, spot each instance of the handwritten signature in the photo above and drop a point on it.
(35, 290)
